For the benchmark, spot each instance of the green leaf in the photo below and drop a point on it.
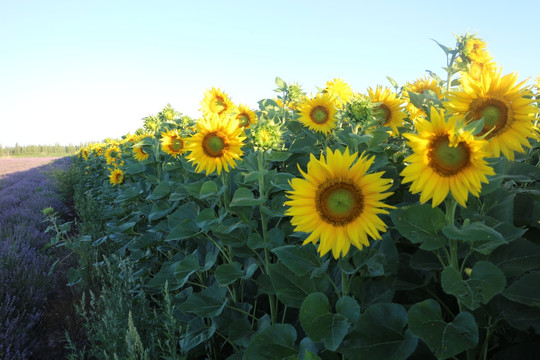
(130, 193)
(282, 85)
(183, 231)
(207, 303)
(443, 339)
(320, 324)
(393, 82)
(274, 342)
(160, 209)
(380, 334)
(278, 156)
(420, 224)
(161, 191)
(244, 197)
(135, 168)
(480, 237)
(290, 288)
(228, 273)
(300, 259)
(208, 188)
(175, 272)
(486, 281)
(475, 127)
(517, 257)
(206, 219)
(348, 307)
(525, 290)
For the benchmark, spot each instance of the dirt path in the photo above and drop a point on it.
(11, 165)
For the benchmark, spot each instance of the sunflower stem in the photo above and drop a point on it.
(344, 284)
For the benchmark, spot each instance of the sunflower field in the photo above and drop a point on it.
(399, 223)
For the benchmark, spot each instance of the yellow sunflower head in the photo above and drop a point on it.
(389, 112)
(216, 102)
(505, 105)
(216, 145)
(245, 116)
(338, 203)
(172, 143)
(116, 176)
(473, 49)
(477, 68)
(420, 86)
(319, 113)
(112, 154)
(83, 152)
(446, 159)
(340, 90)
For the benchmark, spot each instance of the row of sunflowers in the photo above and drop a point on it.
(235, 215)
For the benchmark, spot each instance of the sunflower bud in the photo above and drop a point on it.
(360, 110)
(267, 135)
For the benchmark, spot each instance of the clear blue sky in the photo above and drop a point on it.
(76, 71)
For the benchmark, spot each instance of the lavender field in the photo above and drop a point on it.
(25, 284)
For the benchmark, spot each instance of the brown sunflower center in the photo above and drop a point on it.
(448, 160)
(495, 114)
(339, 202)
(243, 120)
(217, 105)
(319, 114)
(177, 144)
(383, 111)
(215, 144)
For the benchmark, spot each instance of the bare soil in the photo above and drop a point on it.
(16, 164)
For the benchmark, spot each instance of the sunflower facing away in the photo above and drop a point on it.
(216, 145)
(172, 143)
(390, 110)
(215, 102)
(445, 159)
(245, 116)
(420, 86)
(319, 113)
(339, 90)
(507, 111)
(116, 176)
(338, 203)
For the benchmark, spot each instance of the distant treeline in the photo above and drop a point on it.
(39, 150)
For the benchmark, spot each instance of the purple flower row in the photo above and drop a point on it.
(24, 282)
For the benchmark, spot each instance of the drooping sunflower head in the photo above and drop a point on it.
(338, 203)
(245, 116)
(216, 145)
(216, 102)
(116, 176)
(112, 154)
(446, 159)
(420, 86)
(389, 110)
(319, 113)
(339, 90)
(172, 143)
(506, 107)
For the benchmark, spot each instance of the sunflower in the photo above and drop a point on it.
(339, 90)
(116, 176)
(245, 116)
(474, 50)
(216, 102)
(389, 110)
(216, 145)
(112, 154)
(338, 203)
(445, 159)
(172, 143)
(319, 113)
(507, 109)
(83, 152)
(420, 86)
